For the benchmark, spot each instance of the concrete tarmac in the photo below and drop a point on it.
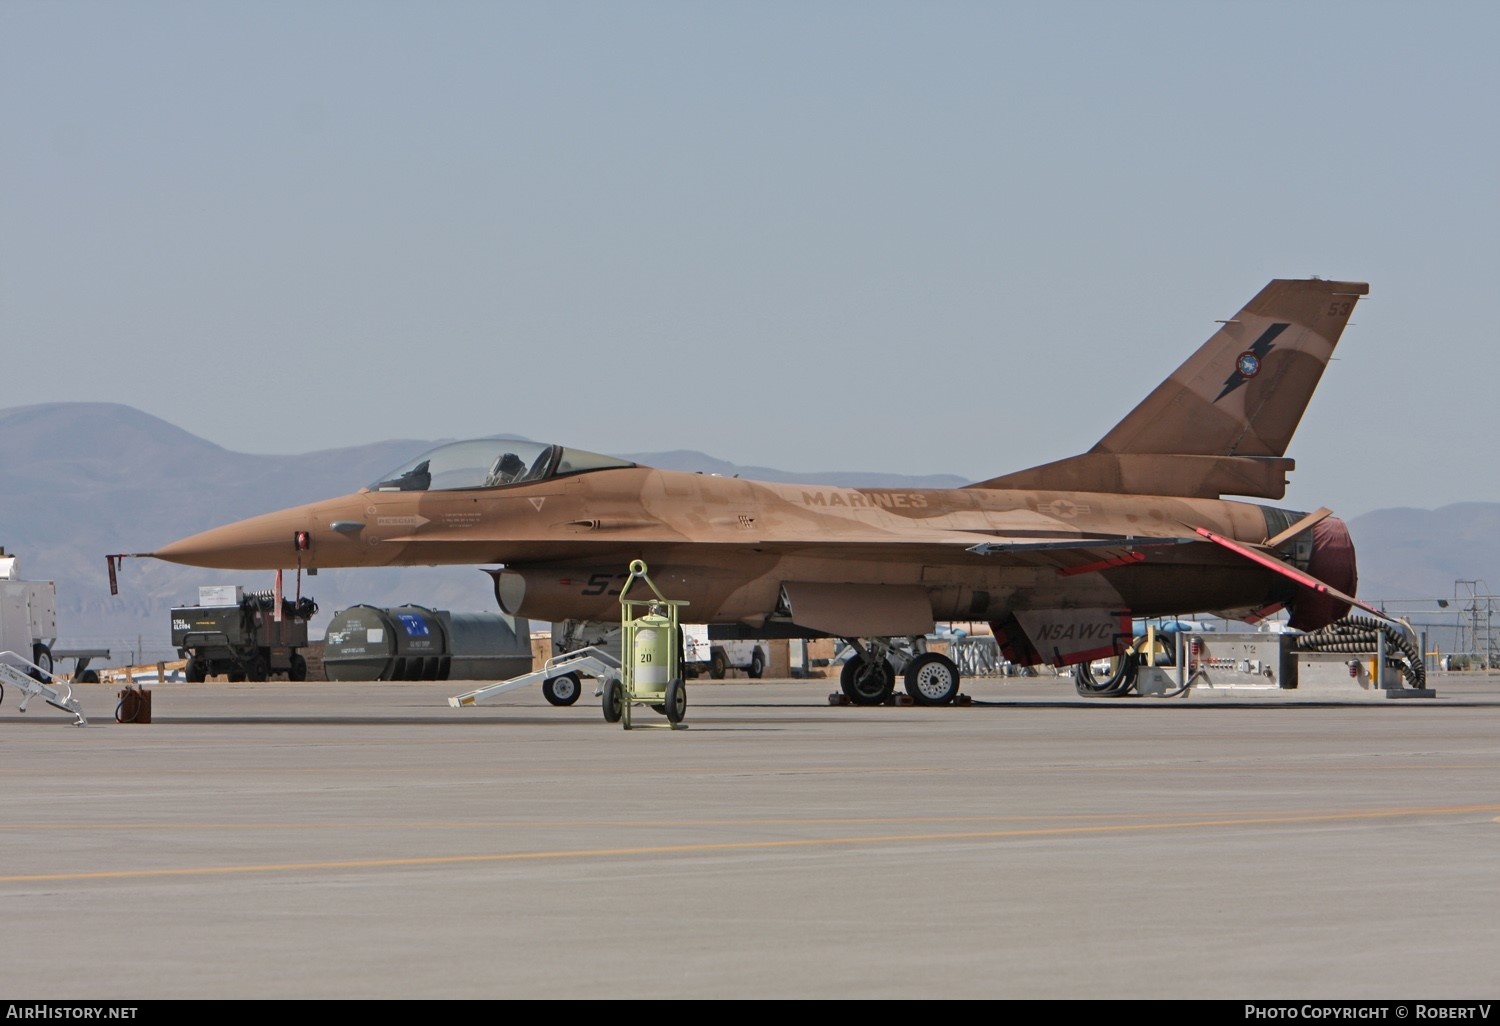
(368, 841)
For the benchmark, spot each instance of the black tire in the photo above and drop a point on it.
(757, 665)
(41, 655)
(675, 707)
(867, 683)
(88, 677)
(195, 672)
(297, 671)
(718, 664)
(256, 669)
(614, 700)
(932, 679)
(563, 690)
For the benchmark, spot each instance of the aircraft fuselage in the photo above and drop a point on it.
(727, 545)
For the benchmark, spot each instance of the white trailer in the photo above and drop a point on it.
(28, 616)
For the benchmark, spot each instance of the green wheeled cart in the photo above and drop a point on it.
(651, 650)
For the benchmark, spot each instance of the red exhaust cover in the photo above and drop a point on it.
(1332, 563)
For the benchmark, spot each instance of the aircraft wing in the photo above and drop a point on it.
(847, 610)
(1068, 555)
(1080, 555)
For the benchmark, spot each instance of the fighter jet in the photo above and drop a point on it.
(1057, 559)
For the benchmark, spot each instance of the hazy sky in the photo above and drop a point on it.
(926, 237)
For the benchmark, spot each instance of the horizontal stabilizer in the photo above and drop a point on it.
(1302, 578)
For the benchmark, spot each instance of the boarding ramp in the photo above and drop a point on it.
(11, 674)
(585, 662)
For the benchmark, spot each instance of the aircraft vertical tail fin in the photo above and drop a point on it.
(1221, 423)
(1244, 391)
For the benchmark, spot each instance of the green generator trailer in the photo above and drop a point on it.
(243, 639)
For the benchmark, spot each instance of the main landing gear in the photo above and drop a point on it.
(869, 674)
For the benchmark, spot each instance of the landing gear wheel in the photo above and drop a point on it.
(757, 665)
(88, 677)
(867, 683)
(718, 665)
(41, 655)
(932, 679)
(298, 668)
(614, 700)
(563, 690)
(676, 704)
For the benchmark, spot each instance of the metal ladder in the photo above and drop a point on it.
(31, 687)
(586, 662)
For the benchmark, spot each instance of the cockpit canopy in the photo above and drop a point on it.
(490, 463)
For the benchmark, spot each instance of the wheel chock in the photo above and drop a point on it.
(897, 698)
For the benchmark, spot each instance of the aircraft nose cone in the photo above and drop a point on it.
(261, 543)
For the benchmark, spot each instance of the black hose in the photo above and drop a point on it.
(1117, 684)
(1122, 681)
(1360, 635)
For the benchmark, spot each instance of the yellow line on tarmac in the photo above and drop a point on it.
(669, 849)
(1121, 818)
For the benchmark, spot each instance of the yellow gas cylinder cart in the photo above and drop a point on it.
(650, 650)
